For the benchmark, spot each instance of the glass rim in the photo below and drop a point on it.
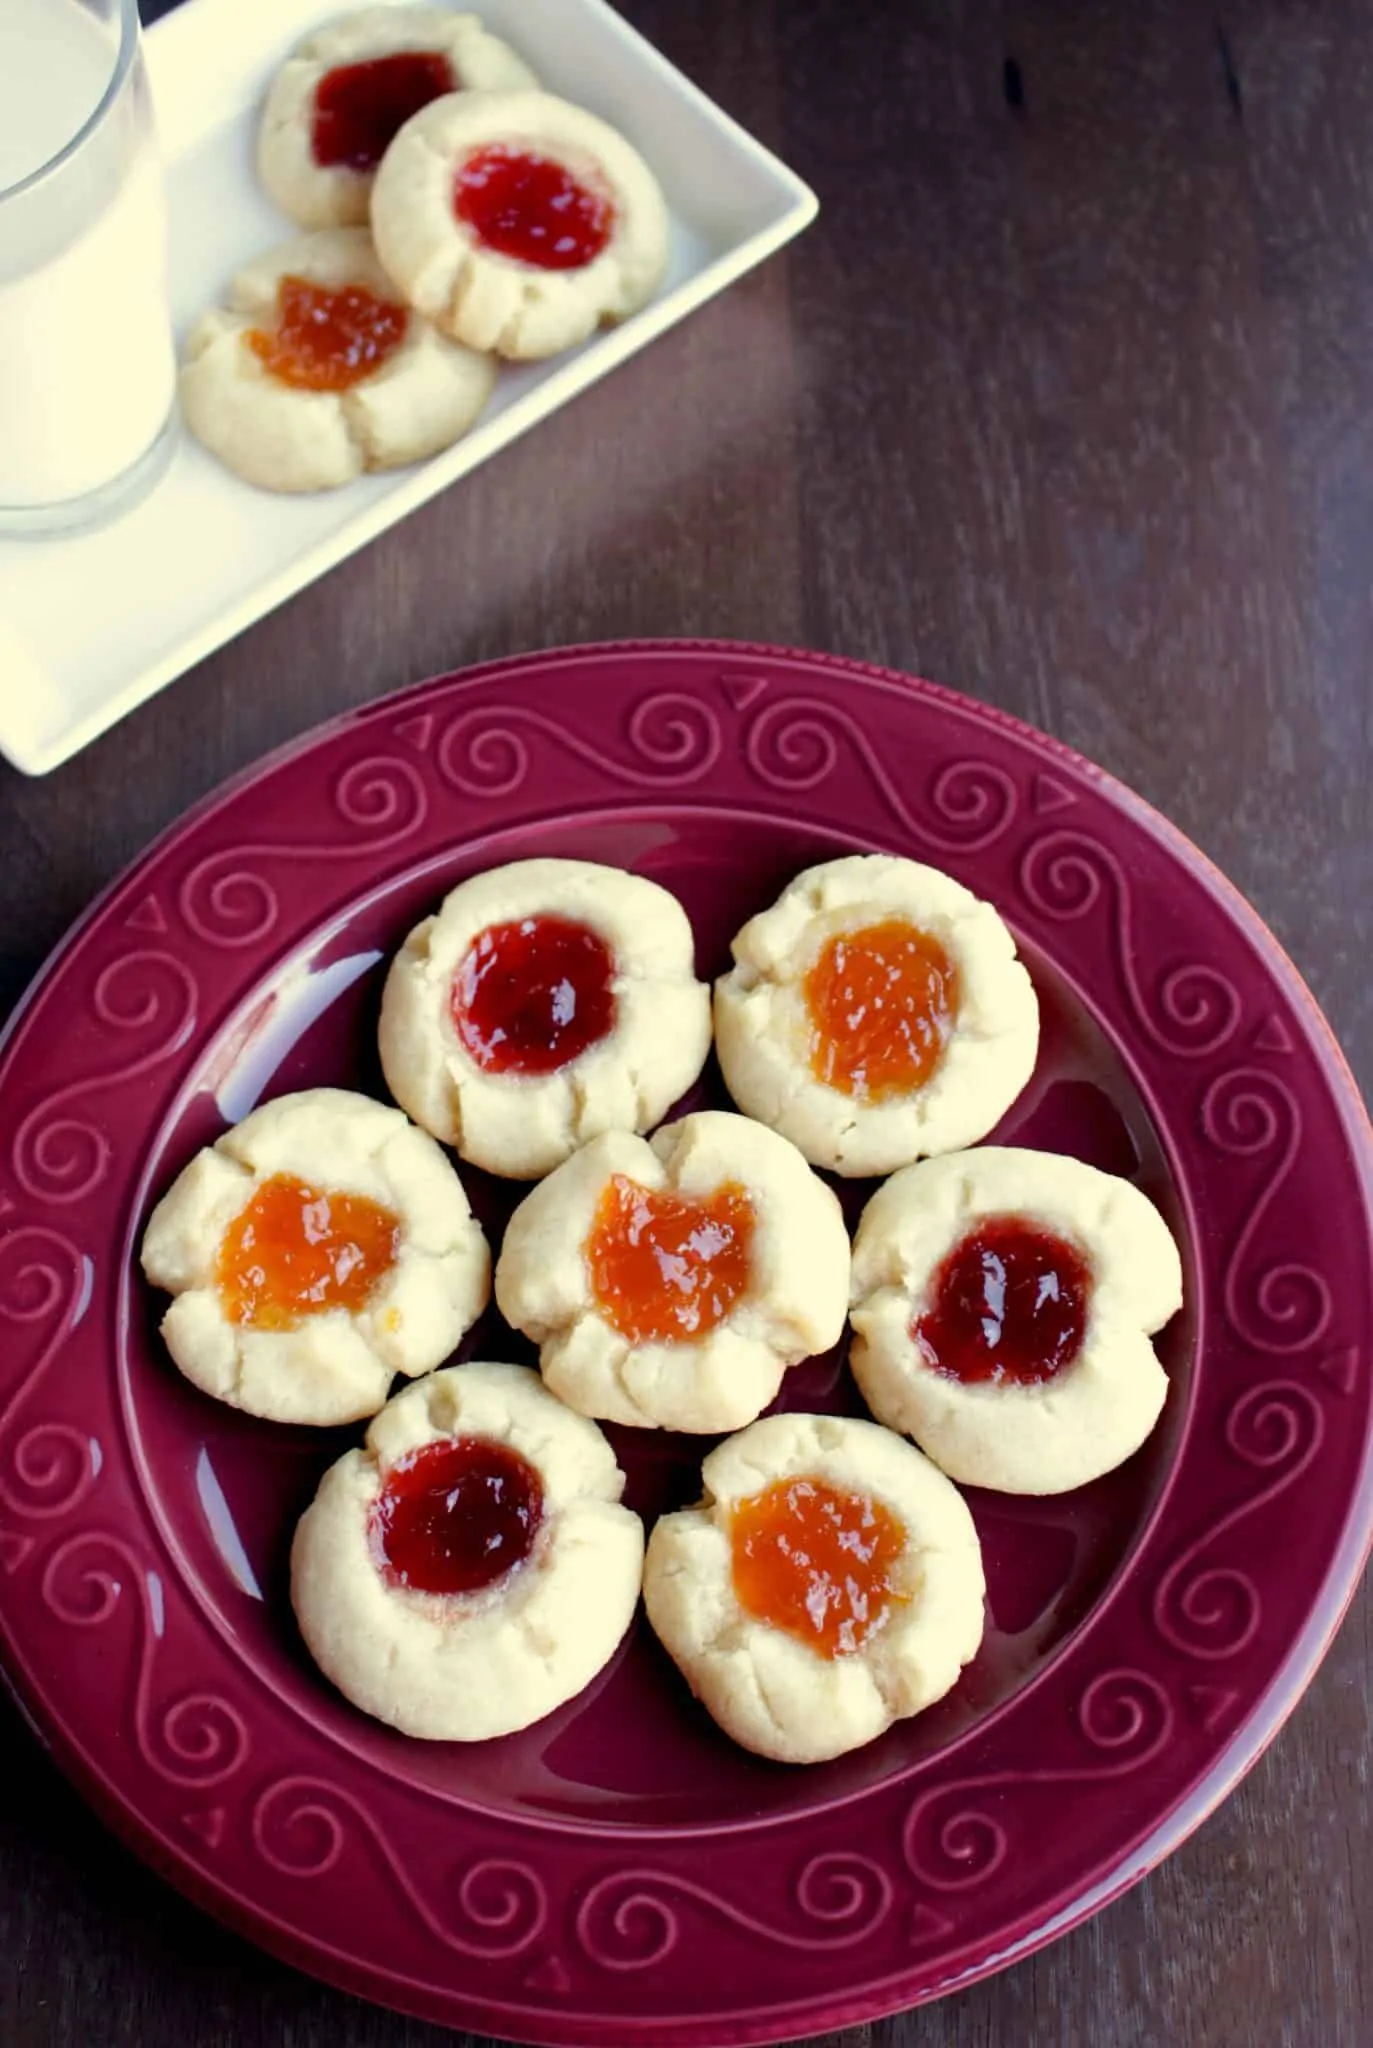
(123, 65)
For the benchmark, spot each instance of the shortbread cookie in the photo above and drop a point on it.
(829, 1584)
(337, 102)
(315, 370)
(1003, 1302)
(876, 1013)
(315, 1250)
(548, 1001)
(518, 222)
(470, 1568)
(671, 1282)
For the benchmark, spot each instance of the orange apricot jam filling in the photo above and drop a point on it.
(295, 1251)
(817, 1561)
(326, 339)
(881, 1003)
(668, 1268)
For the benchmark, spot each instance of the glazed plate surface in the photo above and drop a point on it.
(620, 1874)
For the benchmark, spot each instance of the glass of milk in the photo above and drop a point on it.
(87, 369)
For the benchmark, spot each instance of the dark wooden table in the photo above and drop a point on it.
(1068, 401)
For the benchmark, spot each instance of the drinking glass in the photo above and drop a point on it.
(87, 368)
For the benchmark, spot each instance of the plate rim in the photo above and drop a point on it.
(1266, 1714)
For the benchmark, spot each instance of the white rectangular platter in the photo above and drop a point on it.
(92, 626)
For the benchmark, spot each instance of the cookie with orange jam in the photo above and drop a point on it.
(671, 1282)
(518, 222)
(875, 1014)
(470, 1567)
(337, 103)
(829, 1584)
(544, 1003)
(1003, 1304)
(317, 1249)
(316, 370)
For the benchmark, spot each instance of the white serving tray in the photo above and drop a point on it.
(94, 625)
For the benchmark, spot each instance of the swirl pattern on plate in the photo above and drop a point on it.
(300, 1827)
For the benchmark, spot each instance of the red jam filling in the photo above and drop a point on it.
(817, 1561)
(669, 1268)
(882, 1002)
(295, 1251)
(1009, 1303)
(456, 1515)
(328, 340)
(531, 208)
(532, 996)
(360, 107)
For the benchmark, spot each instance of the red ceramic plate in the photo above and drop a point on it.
(620, 1874)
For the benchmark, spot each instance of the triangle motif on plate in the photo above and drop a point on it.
(147, 917)
(207, 1823)
(741, 688)
(1211, 1704)
(548, 1974)
(1047, 793)
(1340, 1368)
(926, 1924)
(418, 730)
(1272, 1036)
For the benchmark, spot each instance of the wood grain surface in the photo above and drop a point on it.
(1067, 401)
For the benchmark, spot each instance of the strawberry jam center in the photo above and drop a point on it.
(455, 1516)
(295, 1251)
(669, 1268)
(531, 208)
(1008, 1303)
(881, 1003)
(817, 1561)
(360, 107)
(326, 339)
(532, 996)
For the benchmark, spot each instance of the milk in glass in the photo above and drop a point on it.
(86, 364)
